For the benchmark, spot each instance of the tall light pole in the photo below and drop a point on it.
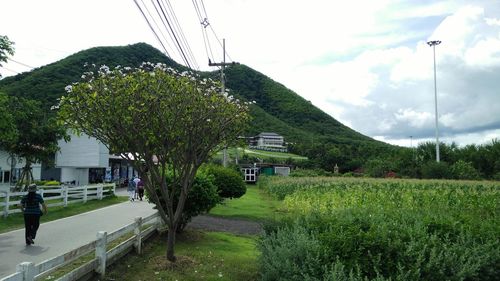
(433, 44)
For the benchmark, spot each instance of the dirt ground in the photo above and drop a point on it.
(235, 226)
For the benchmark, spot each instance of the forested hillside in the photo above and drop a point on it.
(310, 131)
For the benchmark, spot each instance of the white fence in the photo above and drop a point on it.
(28, 271)
(57, 196)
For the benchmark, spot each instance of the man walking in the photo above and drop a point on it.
(30, 206)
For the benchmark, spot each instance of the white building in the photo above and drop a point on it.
(268, 141)
(9, 169)
(82, 160)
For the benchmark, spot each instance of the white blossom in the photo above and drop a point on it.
(68, 88)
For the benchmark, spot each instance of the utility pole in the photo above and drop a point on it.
(433, 44)
(223, 82)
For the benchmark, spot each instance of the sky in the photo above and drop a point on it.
(365, 63)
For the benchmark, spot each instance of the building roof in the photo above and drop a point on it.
(268, 134)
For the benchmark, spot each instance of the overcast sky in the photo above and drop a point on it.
(366, 63)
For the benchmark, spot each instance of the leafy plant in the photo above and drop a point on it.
(229, 182)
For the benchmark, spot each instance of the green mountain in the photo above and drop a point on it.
(278, 109)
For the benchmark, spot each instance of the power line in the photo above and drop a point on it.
(204, 23)
(216, 37)
(173, 33)
(13, 71)
(156, 24)
(23, 64)
(165, 25)
(151, 27)
(182, 36)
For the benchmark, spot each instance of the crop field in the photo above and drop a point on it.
(365, 229)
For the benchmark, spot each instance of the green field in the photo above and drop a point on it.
(361, 229)
(255, 205)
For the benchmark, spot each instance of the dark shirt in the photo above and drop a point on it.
(32, 207)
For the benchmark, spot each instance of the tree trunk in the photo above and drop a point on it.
(171, 243)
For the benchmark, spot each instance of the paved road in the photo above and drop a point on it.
(57, 237)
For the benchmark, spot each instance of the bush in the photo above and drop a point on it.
(228, 181)
(201, 198)
(377, 168)
(435, 170)
(462, 170)
(354, 246)
(309, 173)
(290, 254)
(52, 183)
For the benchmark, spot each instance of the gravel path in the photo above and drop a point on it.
(235, 226)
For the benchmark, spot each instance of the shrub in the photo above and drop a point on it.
(290, 254)
(201, 198)
(52, 183)
(435, 170)
(309, 173)
(462, 170)
(228, 181)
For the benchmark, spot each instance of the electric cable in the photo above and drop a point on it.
(151, 27)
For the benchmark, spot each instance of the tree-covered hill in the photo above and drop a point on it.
(47, 83)
(277, 109)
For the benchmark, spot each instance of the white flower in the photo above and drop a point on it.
(68, 88)
(220, 274)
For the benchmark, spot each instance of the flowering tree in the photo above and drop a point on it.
(29, 133)
(6, 49)
(160, 120)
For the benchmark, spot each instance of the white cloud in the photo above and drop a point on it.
(414, 118)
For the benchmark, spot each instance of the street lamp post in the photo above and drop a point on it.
(433, 44)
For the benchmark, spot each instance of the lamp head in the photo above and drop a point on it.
(433, 43)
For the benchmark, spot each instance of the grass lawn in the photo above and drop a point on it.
(272, 154)
(265, 155)
(16, 221)
(254, 205)
(200, 256)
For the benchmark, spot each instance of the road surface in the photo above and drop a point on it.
(58, 237)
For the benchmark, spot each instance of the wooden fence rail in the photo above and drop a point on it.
(57, 196)
(28, 271)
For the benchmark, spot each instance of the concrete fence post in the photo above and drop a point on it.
(85, 194)
(27, 269)
(64, 190)
(100, 253)
(138, 235)
(7, 202)
(99, 192)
